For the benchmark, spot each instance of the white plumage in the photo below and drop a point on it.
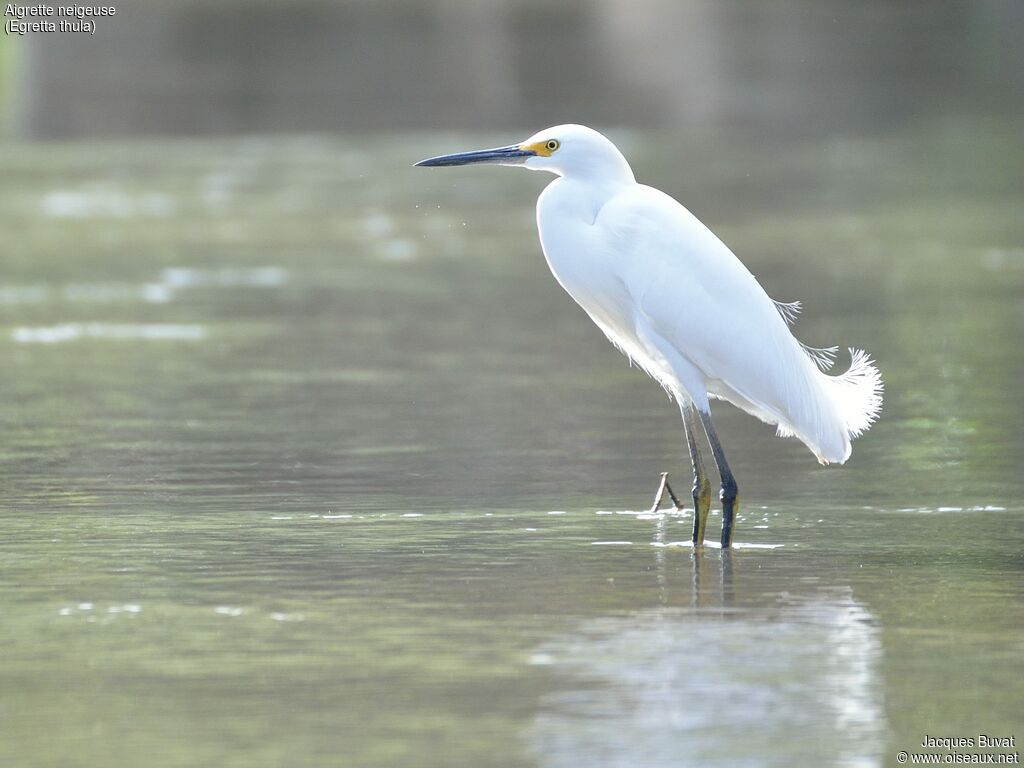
(673, 297)
(677, 301)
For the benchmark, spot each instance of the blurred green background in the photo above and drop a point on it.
(791, 67)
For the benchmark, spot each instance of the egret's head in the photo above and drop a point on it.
(568, 150)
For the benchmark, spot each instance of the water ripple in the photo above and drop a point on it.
(53, 334)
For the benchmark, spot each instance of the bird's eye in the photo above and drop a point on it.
(552, 145)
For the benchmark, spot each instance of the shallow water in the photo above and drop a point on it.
(307, 460)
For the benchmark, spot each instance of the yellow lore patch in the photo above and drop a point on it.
(541, 148)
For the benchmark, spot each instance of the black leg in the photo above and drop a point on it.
(701, 484)
(730, 497)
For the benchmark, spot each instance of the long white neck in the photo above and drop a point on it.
(584, 190)
(607, 168)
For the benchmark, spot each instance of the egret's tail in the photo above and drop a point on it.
(856, 398)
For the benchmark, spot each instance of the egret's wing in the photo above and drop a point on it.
(823, 357)
(789, 310)
(691, 288)
(699, 301)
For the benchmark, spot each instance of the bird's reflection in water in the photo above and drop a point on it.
(711, 568)
(712, 678)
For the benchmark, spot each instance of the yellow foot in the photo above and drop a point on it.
(701, 510)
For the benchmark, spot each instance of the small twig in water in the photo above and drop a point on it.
(662, 487)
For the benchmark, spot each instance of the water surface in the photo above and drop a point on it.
(308, 461)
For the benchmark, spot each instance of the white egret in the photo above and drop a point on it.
(669, 294)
